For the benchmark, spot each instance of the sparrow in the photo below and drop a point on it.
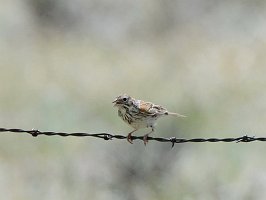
(140, 114)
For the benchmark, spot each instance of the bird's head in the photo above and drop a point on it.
(123, 100)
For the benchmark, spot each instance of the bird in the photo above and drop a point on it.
(140, 114)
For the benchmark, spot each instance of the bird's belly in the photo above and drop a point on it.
(137, 121)
(143, 123)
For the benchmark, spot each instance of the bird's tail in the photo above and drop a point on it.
(175, 114)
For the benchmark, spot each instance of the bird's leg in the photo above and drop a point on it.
(145, 138)
(129, 138)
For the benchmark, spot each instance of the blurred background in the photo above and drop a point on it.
(63, 62)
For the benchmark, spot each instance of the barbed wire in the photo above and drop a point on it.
(109, 136)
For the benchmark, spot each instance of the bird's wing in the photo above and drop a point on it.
(158, 109)
(150, 108)
(145, 107)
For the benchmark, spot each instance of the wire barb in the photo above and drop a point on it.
(246, 138)
(173, 140)
(108, 136)
(34, 132)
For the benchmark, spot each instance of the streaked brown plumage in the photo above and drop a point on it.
(140, 114)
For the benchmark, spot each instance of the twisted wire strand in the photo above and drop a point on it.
(109, 136)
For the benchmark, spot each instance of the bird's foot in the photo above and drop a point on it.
(129, 138)
(145, 139)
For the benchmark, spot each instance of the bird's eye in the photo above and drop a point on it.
(124, 99)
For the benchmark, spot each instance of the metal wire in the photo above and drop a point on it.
(108, 136)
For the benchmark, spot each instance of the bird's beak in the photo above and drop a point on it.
(114, 102)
